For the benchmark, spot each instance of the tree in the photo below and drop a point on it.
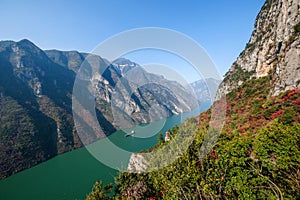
(100, 192)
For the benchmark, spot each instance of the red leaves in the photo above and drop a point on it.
(161, 193)
(242, 129)
(296, 102)
(199, 164)
(291, 94)
(276, 114)
(213, 155)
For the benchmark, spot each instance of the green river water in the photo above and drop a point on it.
(71, 175)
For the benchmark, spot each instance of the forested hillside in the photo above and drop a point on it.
(256, 157)
(36, 88)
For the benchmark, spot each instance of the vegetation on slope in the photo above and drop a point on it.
(256, 157)
(36, 87)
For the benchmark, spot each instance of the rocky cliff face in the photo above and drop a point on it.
(123, 65)
(274, 47)
(36, 121)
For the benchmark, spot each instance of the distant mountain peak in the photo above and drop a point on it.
(41, 83)
(22, 44)
(123, 65)
(26, 41)
(206, 89)
(122, 61)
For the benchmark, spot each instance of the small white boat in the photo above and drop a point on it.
(131, 133)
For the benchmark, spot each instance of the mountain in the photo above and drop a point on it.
(123, 65)
(206, 90)
(68, 59)
(36, 87)
(257, 154)
(272, 49)
(35, 120)
(203, 90)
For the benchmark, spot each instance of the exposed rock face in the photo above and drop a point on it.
(34, 108)
(68, 59)
(137, 163)
(274, 47)
(123, 65)
(36, 121)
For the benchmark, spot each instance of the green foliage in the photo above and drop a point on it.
(297, 28)
(160, 138)
(99, 192)
(288, 116)
(277, 148)
(257, 155)
(250, 46)
(267, 5)
(20, 144)
(294, 36)
(239, 74)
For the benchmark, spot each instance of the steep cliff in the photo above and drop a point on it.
(257, 154)
(36, 121)
(274, 47)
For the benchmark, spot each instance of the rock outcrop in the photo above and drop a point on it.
(274, 48)
(36, 87)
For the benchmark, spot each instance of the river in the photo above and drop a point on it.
(72, 175)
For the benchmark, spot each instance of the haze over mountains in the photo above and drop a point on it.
(36, 121)
(206, 90)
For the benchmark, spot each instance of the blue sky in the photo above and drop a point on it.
(221, 27)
